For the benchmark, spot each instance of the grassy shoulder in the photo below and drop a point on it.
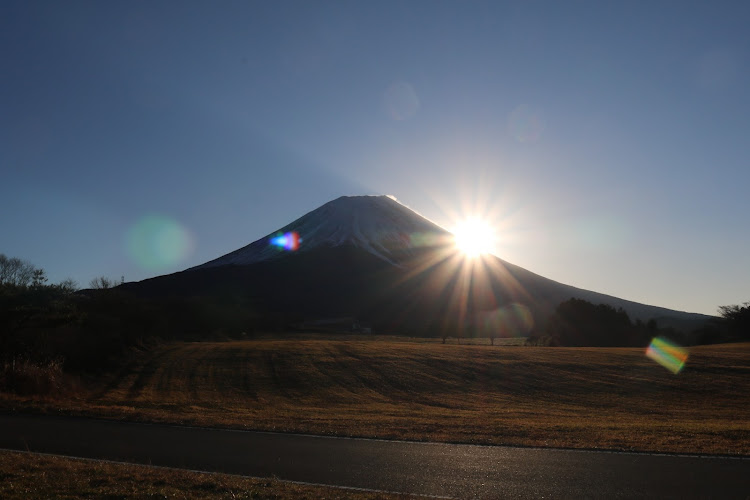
(596, 398)
(28, 475)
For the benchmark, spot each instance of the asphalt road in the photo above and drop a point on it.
(462, 471)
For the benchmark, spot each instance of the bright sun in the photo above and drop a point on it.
(474, 237)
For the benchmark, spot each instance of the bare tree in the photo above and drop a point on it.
(17, 272)
(102, 283)
(68, 285)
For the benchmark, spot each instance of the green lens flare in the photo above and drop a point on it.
(514, 320)
(157, 242)
(667, 354)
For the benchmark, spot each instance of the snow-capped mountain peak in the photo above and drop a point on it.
(378, 224)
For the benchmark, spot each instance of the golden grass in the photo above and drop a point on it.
(613, 398)
(26, 475)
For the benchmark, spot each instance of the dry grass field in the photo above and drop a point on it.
(26, 475)
(608, 398)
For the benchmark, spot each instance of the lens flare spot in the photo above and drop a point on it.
(421, 240)
(670, 356)
(287, 241)
(157, 242)
(525, 124)
(600, 232)
(514, 320)
(401, 101)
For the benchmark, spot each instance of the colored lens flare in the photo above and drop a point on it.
(157, 242)
(419, 240)
(287, 241)
(513, 320)
(667, 354)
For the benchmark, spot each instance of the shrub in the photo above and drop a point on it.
(541, 341)
(24, 377)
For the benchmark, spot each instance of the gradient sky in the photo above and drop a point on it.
(607, 141)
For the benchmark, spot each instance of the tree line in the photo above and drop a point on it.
(577, 322)
(89, 330)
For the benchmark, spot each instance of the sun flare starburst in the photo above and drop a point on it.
(474, 237)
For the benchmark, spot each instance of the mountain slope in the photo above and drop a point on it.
(377, 224)
(374, 259)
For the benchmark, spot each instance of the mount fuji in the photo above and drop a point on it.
(372, 258)
(378, 225)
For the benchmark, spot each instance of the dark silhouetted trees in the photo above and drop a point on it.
(736, 318)
(19, 273)
(103, 283)
(577, 322)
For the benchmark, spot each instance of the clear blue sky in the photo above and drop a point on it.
(608, 141)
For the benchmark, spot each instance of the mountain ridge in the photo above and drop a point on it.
(377, 223)
(375, 259)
